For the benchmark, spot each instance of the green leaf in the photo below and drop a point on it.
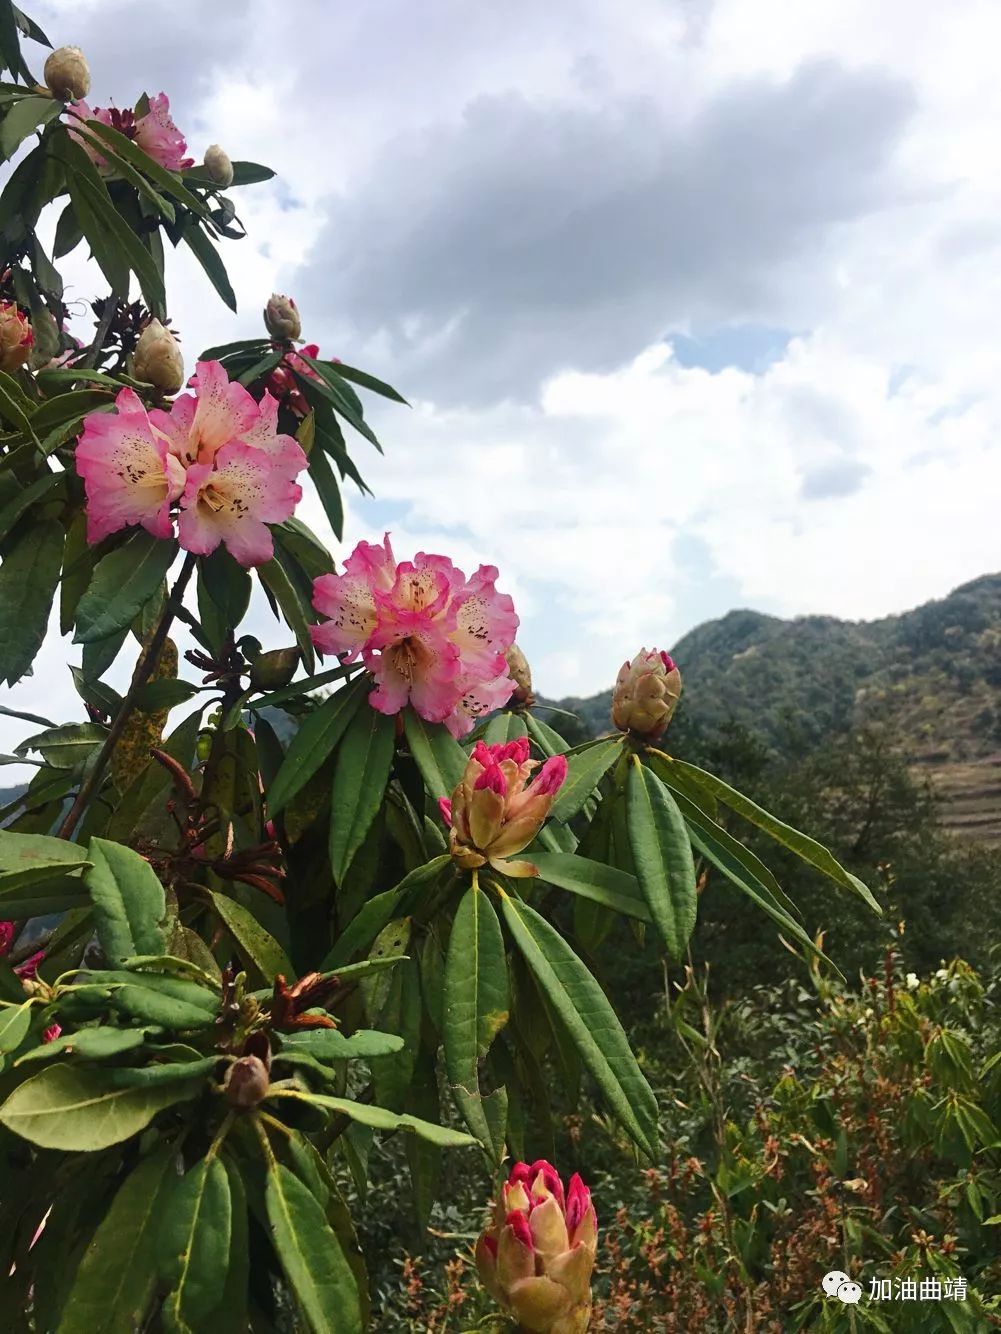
(589, 1019)
(368, 382)
(438, 755)
(662, 855)
(30, 113)
(28, 579)
(313, 743)
(275, 579)
(311, 1256)
(545, 737)
(224, 589)
(109, 234)
(123, 582)
(27, 859)
(90, 1044)
(364, 761)
(380, 1118)
(115, 1279)
(193, 1244)
(251, 173)
(607, 885)
(806, 848)
(95, 133)
(329, 1044)
(25, 498)
(78, 1110)
(208, 257)
(129, 903)
(476, 1006)
(256, 946)
(14, 1025)
(322, 476)
(584, 772)
(129, 150)
(66, 747)
(303, 687)
(374, 915)
(166, 694)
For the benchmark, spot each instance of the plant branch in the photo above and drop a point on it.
(144, 670)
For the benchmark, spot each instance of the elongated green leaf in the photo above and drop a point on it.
(297, 616)
(662, 855)
(545, 737)
(380, 1118)
(114, 1282)
(329, 1044)
(127, 149)
(322, 477)
(66, 747)
(14, 1025)
(440, 758)
(313, 743)
(91, 1044)
(25, 498)
(129, 903)
(27, 859)
(299, 688)
(208, 257)
(806, 848)
(257, 947)
(230, 1316)
(120, 162)
(368, 382)
(364, 760)
(592, 880)
(30, 113)
(193, 1244)
(79, 1110)
(311, 1256)
(585, 771)
(109, 234)
(28, 579)
(380, 910)
(589, 1019)
(124, 581)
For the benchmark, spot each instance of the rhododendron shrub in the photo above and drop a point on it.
(309, 892)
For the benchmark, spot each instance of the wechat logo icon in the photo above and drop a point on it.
(838, 1284)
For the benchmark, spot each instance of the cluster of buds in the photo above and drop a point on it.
(281, 318)
(646, 694)
(67, 74)
(16, 337)
(158, 359)
(535, 1258)
(496, 811)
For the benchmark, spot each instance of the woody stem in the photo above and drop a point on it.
(143, 671)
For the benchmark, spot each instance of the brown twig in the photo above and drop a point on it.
(142, 673)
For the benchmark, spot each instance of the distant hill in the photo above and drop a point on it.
(932, 676)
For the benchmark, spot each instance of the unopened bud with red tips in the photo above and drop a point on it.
(281, 317)
(646, 694)
(16, 337)
(274, 669)
(536, 1257)
(67, 74)
(217, 166)
(158, 359)
(521, 674)
(496, 811)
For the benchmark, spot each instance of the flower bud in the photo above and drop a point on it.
(158, 359)
(16, 337)
(217, 166)
(535, 1258)
(67, 74)
(247, 1082)
(521, 673)
(646, 694)
(274, 669)
(282, 318)
(495, 811)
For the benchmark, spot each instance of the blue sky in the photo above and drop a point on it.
(695, 301)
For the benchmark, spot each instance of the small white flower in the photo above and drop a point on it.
(913, 981)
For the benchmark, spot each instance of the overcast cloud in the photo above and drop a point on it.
(696, 303)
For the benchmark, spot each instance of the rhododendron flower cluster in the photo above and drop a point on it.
(646, 694)
(536, 1256)
(153, 130)
(216, 453)
(496, 811)
(429, 635)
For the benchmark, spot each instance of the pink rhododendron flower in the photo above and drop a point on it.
(51, 1033)
(232, 501)
(154, 132)
(217, 451)
(7, 933)
(29, 969)
(282, 383)
(127, 472)
(428, 635)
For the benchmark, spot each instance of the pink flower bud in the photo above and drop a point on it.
(646, 694)
(16, 337)
(496, 811)
(7, 932)
(217, 166)
(536, 1257)
(67, 74)
(158, 359)
(51, 1033)
(281, 318)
